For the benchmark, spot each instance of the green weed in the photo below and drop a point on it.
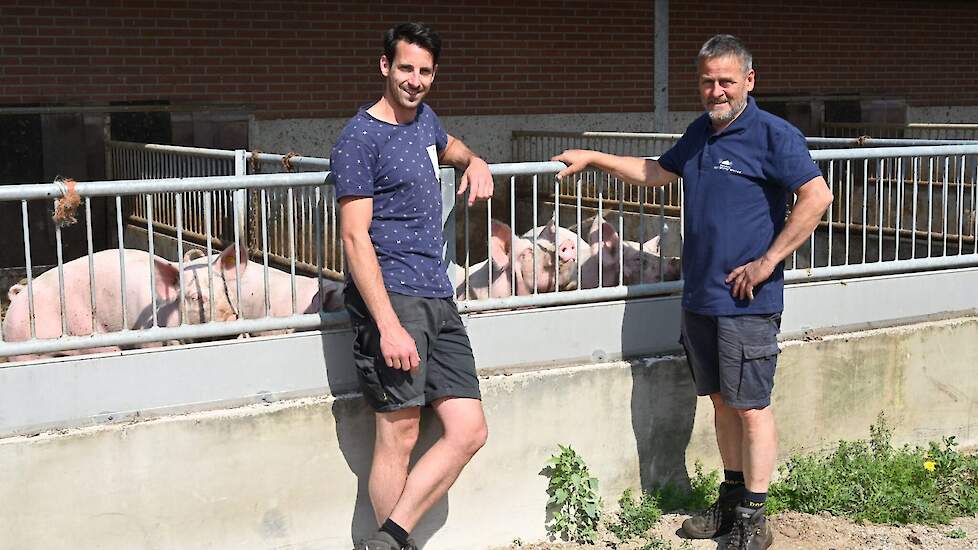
(574, 499)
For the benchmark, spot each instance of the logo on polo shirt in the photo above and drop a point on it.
(727, 166)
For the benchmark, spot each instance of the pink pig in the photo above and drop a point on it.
(493, 277)
(228, 307)
(108, 300)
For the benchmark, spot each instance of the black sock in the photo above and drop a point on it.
(753, 500)
(396, 531)
(733, 477)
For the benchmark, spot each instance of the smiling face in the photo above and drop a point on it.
(409, 76)
(724, 86)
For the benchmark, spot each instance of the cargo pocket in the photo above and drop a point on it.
(757, 374)
(370, 379)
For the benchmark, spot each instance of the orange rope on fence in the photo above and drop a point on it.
(64, 208)
(287, 160)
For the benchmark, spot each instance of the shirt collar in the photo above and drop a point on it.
(743, 121)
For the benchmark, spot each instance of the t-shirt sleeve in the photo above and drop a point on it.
(791, 163)
(441, 136)
(352, 163)
(674, 159)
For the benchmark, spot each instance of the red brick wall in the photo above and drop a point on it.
(319, 59)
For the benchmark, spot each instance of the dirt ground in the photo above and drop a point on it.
(794, 530)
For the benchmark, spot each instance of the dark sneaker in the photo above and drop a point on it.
(381, 540)
(750, 530)
(718, 519)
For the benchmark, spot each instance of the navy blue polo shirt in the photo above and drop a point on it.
(397, 165)
(736, 185)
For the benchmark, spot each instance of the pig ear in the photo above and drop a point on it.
(652, 246)
(607, 234)
(14, 290)
(226, 260)
(502, 238)
(167, 279)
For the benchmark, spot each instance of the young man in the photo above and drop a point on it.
(737, 163)
(410, 347)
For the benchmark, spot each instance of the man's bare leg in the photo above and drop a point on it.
(729, 430)
(464, 434)
(397, 433)
(760, 447)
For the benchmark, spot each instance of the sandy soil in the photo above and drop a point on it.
(821, 532)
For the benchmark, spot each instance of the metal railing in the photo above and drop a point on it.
(912, 130)
(897, 209)
(140, 160)
(141, 320)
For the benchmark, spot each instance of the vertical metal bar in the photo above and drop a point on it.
(974, 208)
(930, 205)
(947, 168)
(29, 267)
(619, 187)
(468, 258)
(59, 249)
(865, 205)
(512, 236)
(580, 230)
(208, 229)
(643, 193)
(179, 214)
(264, 250)
(318, 243)
(122, 261)
(534, 232)
(291, 214)
(238, 202)
(848, 207)
(831, 208)
(152, 255)
(899, 206)
(961, 208)
(338, 242)
(881, 167)
(601, 236)
(913, 219)
(556, 237)
(91, 260)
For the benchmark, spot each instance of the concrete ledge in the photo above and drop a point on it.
(292, 474)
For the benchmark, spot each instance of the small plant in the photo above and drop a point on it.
(635, 518)
(702, 491)
(871, 480)
(574, 498)
(957, 533)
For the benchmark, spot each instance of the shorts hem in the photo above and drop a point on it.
(460, 393)
(392, 407)
(747, 405)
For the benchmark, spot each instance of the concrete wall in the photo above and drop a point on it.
(292, 474)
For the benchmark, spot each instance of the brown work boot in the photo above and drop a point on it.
(718, 519)
(750, 530)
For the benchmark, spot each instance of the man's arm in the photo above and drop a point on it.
(476, 172)
(629, 169)
(813, 198)
(396, 345)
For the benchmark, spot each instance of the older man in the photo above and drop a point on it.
(738, 164)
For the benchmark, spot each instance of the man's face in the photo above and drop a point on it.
(723, 88)
(409, 75)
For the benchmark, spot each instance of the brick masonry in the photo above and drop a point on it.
(319, 59)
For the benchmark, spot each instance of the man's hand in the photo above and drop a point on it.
(477, 179)
(399, 349)
(748, 276)
(575, 159)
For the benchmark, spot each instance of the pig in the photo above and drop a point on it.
(108, 300)
(642, 263)
(503, 251)
(227, 306)
(611, 256)
(571, 248)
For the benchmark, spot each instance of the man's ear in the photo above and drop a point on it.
(434, 71)
(385, 66)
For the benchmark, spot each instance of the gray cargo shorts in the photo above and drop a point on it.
(734, 356)
(447, 366)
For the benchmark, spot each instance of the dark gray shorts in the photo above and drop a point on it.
(447, 365)
(734, 356)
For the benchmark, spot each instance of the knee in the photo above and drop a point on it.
(399, 439)
(470, 439)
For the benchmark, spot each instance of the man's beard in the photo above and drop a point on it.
(723, 117)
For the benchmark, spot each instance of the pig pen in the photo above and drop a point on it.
(264, 442)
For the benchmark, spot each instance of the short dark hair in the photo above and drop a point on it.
(418, 34)
(722, 45)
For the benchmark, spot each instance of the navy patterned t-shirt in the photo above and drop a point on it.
(397, 165)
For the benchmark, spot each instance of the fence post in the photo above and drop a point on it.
(241, 198)
(447, 177)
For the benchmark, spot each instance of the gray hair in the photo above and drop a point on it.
(722, 45)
